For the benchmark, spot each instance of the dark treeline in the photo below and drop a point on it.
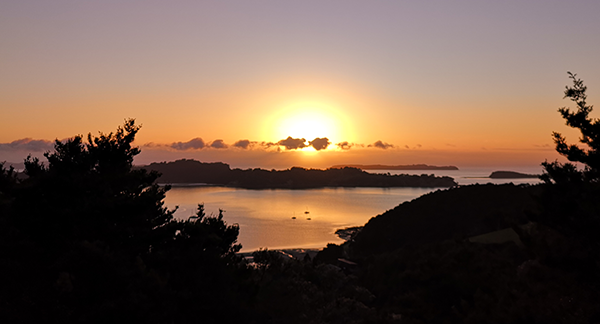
(191, 171)
(449, 214)
(396, 167)
(512, 175)
(85, 239)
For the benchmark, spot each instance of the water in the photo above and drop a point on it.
(470, 176)
(266, 216)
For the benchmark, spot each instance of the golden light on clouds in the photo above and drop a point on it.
(308, 121)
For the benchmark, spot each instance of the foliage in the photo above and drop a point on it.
(298, 291)
(8, 179)
(86, 238)
(570, 202)
(463, 282)
(444, 215)
(590, 136)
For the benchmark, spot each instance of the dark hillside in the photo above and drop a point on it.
(512, 175)
(420, 268)
(192, 171)
(446, 214)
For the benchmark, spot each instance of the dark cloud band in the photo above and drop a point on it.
(218, 144)
(293, 143)
(290, 143)
(381, 145)
(243, 144)
(193, 144)
(27, 144)
(319, 143)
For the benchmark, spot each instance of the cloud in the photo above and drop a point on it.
(381, 145)
(319, 143)
(194, 144)
(293, 143)
(218, 144)
(244, 144)
(416, 147)
(345, 145)
(269, 144)
(290, 143)
(27, 144)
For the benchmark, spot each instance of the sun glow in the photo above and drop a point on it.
(308, 122)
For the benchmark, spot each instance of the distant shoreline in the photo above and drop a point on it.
(512, 175)
(395, 167)
(220, 174)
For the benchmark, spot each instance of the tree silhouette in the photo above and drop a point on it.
(91, 191)
(569, 203)
(86, 238)
(556, 172)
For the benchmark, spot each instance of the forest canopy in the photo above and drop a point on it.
(85, 238)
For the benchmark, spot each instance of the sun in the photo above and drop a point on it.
(309, 125)
(308, 122)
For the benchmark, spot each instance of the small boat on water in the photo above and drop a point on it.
(293, 217)
(308, 218)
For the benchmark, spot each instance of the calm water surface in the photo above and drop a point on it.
(266, 216)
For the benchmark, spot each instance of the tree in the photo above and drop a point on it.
(569, 204)
(8, 180)
(90, 191)
(86, 238)
(556, 172)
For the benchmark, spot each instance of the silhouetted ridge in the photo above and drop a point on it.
(191, 171)
(395, 167)
(512, 175)
(460, 212)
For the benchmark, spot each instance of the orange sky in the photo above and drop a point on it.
(465, 83)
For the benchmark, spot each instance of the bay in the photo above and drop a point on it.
(473, 175)
(283, 218)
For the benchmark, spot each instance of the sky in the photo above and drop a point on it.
(465, 83)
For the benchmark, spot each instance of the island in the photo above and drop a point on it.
(188, 172)
(395, 167)
(512, 175)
